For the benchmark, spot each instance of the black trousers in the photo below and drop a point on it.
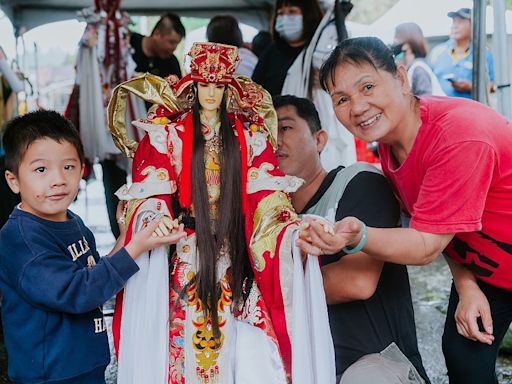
(113, 178)
(472, 362)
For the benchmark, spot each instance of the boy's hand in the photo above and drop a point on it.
(144, 240)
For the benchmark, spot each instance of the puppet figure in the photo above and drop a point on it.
(225, 296)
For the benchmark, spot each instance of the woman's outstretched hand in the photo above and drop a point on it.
(318, 238)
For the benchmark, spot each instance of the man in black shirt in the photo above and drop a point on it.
(369, 302)
(155, 53)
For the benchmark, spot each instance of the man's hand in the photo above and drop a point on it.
(462, 85)
(472, 305)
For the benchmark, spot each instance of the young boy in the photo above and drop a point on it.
(52, 279)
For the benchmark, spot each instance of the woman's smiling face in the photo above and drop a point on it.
(368, 101)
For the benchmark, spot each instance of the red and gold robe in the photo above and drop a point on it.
(270, 221)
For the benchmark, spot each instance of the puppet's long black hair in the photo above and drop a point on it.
(229, 226)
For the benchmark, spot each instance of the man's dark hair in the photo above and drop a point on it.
(305, 109)
(358, 51)
(22, 131)
(224, 29)
(168, 23)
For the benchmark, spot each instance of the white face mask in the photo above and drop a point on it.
(289, 27)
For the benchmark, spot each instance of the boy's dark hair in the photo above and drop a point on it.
(358, 51)
(168, 23)
(224, 29)
(22, 131)
(305, 109)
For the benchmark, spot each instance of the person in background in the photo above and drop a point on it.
(452, 62)
(155, 53)
(410, 48)
(52, 279)
(293, 24)
(426, 144)
(260, 42)
(370, 304)
(302, 80)
(10, 84)
(224, 29)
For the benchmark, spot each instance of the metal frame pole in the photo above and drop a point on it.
(479, 82)
(499, 39)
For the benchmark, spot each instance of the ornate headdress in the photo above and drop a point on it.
(213, 63)
(210, 63)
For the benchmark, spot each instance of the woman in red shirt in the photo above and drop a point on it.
(450, 163)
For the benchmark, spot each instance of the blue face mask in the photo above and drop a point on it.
(400, 58)
(399, 55)
(289, 27)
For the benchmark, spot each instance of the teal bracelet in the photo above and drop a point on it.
(361, 244)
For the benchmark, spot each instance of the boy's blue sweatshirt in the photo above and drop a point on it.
(53, 285)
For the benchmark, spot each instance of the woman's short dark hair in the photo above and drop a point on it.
(22, 131)
(411, 33)
(358, 51)
(224, 29)
(311, 17)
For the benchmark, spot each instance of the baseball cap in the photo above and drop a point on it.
(463, 13)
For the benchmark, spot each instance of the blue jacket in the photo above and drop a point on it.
(445, 67)
(52, 297)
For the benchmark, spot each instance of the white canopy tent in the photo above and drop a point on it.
(28, 14)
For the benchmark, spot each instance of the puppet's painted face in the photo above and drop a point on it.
(210, 95)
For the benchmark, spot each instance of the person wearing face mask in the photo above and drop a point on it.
(410, 48)
(302, 81)
(293, 26)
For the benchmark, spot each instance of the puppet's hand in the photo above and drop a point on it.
(167, 226)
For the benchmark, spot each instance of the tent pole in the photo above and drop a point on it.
(479, 92)
(501, 54)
